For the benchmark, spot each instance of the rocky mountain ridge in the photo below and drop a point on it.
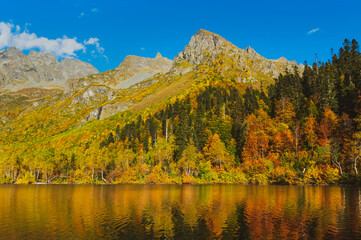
(132, 70)
(138, 82)
(18, 70)
(206, 47)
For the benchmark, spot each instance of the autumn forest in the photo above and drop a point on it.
(304, 128)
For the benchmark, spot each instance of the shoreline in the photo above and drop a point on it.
(209, 183)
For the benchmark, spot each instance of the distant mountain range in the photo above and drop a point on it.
(27, 81)
(30, 81)
(18, 70)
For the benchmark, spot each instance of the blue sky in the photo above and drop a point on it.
(104, 32)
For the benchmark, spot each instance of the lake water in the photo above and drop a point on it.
(179, 212)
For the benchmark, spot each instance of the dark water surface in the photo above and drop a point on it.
(179, 212)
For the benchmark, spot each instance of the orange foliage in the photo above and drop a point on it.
(327, 126)
(285, 111)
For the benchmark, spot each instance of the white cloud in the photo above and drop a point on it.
(95, 42)
(99, 49)
(92, 41)
(60, 47)
(91, 11)
(143, 49)
(313, 31)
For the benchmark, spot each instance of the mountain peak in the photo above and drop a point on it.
(135, 69)
(205, 47)
(282, 59)
(203, 41)
(136, 61)
(207, 33)
(12, 52)
(13, 49)
(204, 38)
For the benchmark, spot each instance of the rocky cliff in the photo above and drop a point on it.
(38, 68)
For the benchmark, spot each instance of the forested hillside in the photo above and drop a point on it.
(305, 128)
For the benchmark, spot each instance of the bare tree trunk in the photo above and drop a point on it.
(166, 130)
(355, 166)
(338, 165)
(355, 161)
(224, 110)
(296, 137)
(103, 176)
(51, 174)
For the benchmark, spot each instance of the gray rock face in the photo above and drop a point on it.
(107, 111)
(94, 95)
(37, 68)
(47, 66)
(137, 78)
(131, 71)
(135, 69)
(73, 68)
(15, 67)
(252, 53)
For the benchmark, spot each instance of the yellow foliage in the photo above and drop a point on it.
(188, 179)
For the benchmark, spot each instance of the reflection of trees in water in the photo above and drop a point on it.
(148, 223)
(182, 230)
(181, 212)
(279, 211)
(236, 226)
(349, 218)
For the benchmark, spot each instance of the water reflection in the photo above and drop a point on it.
(179, 212)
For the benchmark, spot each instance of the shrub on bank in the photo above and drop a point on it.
(283, 175)
(312, 176)
(233, 176)
(259, 178)
(206, 174)
(6, 180)
(330, 175)
(26, 178)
